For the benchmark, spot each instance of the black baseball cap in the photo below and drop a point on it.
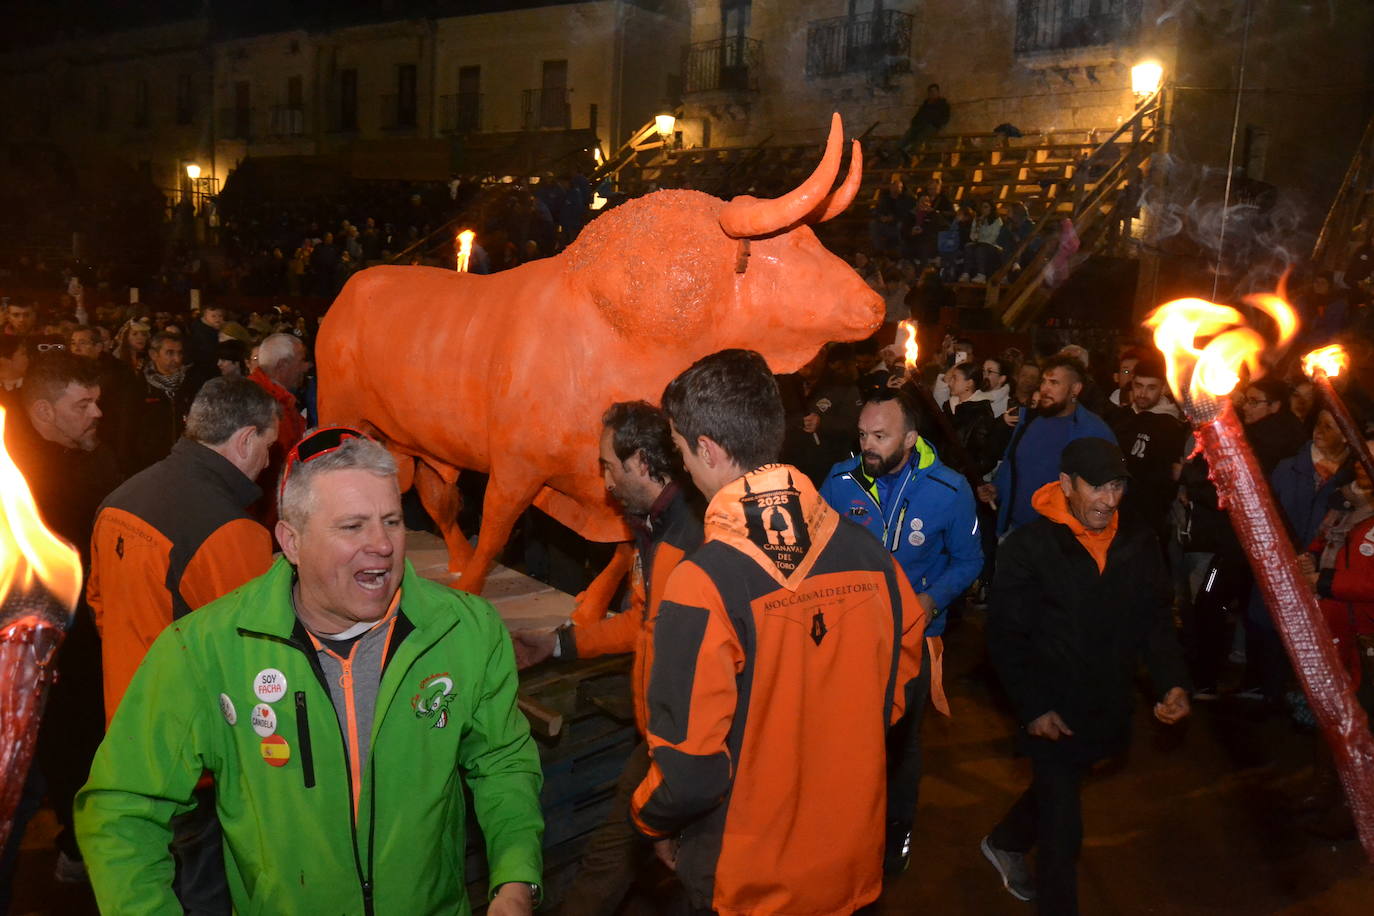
(1098, 461)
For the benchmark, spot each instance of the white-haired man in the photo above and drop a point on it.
(341, 703)
(281, 367)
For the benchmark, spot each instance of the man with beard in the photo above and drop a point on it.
(55, 443)
(1032, 456)
(641, 468)
(924, 514)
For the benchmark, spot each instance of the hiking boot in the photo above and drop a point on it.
(897, 851)
(1016, 877)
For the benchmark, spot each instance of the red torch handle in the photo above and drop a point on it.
(27, 646)
(1354, 436)
(1296, 614)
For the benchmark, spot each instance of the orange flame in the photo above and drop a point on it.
(29, 553)
(912, 349)
(1329, 361)
(1214, 369)
(465, 249)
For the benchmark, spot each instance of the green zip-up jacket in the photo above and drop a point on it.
(445, 718)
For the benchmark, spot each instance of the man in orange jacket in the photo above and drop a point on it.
(641, 467)
(783, 648)
(172, 538)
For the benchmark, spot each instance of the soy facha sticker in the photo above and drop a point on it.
(269, 685)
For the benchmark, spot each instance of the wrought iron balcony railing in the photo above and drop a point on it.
(546, 108)
(724, 65)
(1060, 25)
(462, 112)
(878, 41)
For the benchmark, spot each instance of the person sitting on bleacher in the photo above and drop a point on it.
(984, 252)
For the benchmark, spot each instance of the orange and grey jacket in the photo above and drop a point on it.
(673, 531)
(782, 651)
(172, 538)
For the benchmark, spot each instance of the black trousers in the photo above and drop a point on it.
(1048, 818)
(904, 752)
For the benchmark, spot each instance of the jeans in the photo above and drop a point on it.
(200, 883)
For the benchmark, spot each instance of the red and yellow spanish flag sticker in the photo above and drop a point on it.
(275, 750)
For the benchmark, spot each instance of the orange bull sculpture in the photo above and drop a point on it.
(509, 374)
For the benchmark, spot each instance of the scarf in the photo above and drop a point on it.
(167, 384)
(1339, 524)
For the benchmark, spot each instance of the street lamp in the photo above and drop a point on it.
(665, 124)
(1146, 77)
(192, 171)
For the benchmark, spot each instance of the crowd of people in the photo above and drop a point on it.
(790, 530)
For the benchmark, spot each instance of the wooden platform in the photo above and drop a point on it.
(523, 603)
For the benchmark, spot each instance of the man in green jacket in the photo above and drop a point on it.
(341, 704)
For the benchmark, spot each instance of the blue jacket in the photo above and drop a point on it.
(1304, 504)
(924, 514)
(1032, 460)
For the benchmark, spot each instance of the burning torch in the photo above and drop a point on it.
(1323, 365)
(465, 249)
(40, 582)
(1203, 376)
(959, 455)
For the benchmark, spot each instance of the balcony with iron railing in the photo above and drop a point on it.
(544, 109)
(400, 113)
(287, 121)
(1062, 25)
(461, 112)
(868, 42)
(235, 123)
(724, 65)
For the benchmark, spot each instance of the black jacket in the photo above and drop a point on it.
(153, 421)
(1067, 638)
(68, 484)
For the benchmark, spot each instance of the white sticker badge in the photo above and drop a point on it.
(1367, 550)
(226, 707)
(917, 524)
(264, 720)
(916, 539)
(269, 685)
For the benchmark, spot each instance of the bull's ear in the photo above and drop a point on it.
(658, 269)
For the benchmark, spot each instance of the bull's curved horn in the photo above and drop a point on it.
(749, 217)
(840, 199)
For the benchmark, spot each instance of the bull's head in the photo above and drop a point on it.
(684, 269)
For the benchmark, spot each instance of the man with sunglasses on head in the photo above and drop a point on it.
(924, 513)
(342, 705)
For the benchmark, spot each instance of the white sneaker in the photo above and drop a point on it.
(980, 278)
(963, 277)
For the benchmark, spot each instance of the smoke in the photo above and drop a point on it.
(1249, 241)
